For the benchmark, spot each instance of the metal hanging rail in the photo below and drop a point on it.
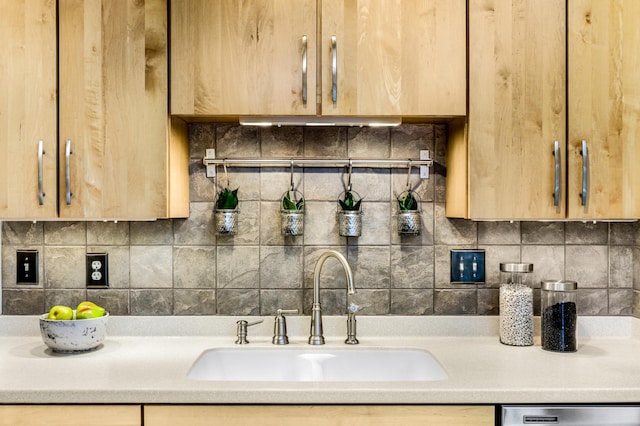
(210, 160)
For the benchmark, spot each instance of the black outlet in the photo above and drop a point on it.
(27, 267)
(97, 270)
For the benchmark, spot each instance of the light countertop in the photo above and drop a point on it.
(146, 360)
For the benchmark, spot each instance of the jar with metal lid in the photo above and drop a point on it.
(516, 304)
(559, 316)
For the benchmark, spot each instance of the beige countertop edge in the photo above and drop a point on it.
(153, 369)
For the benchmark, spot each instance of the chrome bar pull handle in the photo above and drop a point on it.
(304, 69)
(556, 188)
(585, 173)
(334, 69)
(41, 193)
(67, 171)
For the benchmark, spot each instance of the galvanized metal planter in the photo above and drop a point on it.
(409, 217)
(350, 223)
(226, 221)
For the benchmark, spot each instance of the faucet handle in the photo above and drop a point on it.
(241, 331)
(280, 327)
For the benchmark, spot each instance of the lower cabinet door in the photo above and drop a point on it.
(94, 415)
(318, 415)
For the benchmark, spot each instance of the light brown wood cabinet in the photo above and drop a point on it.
(318, 415)
(96, 415)
(117, 144)
(390, 58)
(543, 73)
(27, 109)
(115, 152)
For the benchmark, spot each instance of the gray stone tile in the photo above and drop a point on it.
(19, 233)
(194, 267)
(371, 302)
(151, 233)
(334, 301)
(236, 141)
(636, 270)
(116, 302)
(368, 142)
(272, 300)
(64, 267)
(201, 187)
(281, 267)
(494, 255)
(412, 267)
(238, 267)
(548, 262)
(107, 233)
(587, 233)
(371, 266)
(119, 267)
(321, 226)
(488, 301)
(454, 231)
(238, 302)
(620, 302)
(542, 232)
(151, 267)
(151, 302)
(592, 301)
(331, 274)
(324, 184)
(23, 302)
(620, 267)
(407, 140)
(275, 181)
(194, 302)
(498, 233)
(622, 233)
(411, 302)
(325, 142)
(281, 142)
(65, 233)
(201, 137)
(588, 265)
(198, 229)
(375, 224)
(455, 302)
(371, 184)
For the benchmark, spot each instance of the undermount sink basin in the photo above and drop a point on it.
(316, 365)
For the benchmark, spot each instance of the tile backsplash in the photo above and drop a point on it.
(181, 267)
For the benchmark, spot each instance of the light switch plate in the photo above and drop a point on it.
(27, 266)
(467, 266)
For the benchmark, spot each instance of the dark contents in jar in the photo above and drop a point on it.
(559, 327)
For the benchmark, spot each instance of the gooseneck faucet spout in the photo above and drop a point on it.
(316, 337)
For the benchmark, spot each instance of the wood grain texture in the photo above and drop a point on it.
(395, 57)
(27, 107)
(516, 107)
(113, 108)
(325, 415)
(238, 58)
(96, 415)
(604, 107)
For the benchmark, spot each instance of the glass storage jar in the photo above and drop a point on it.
(516, 304)
(559, 315)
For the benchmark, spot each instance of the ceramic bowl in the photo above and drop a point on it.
(73, 335)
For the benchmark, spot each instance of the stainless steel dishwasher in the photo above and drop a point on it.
(571, 415)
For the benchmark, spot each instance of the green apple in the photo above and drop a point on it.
(86, 310)
(60, 312)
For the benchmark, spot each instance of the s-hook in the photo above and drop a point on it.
(349, 175)
(226, 175)
(409, 177)
(291, 180)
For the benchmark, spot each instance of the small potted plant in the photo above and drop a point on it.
(409, 222)
(292, 213)
(226, 213)
(350, 214)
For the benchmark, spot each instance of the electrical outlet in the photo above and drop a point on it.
(467, 266)
(97, 270)
(27, 267)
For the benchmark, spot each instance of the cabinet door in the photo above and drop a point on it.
(96, 415)
(113, 109)
(394, 57)
(237, 58)
(516, 109)
(318, 415)
(604, 108)
(27, 109)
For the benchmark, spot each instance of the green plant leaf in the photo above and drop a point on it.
(349, 203)
(227, 199)
(408, 202)
(289, 204)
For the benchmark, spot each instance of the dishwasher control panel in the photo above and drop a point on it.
(571, 415)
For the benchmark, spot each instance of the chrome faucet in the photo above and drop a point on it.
(316, 337)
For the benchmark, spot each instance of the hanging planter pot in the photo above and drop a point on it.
(292, 213)
(349, 214)
(226, 212)
(409, 217)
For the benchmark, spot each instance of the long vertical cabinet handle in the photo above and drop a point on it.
(558, 174)
(304, 69)
(334, 69)
(41, 193)
(67, 171)
(585, 173)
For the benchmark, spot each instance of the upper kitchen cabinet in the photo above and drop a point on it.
(232, 57)
(393, 57)
(120, 155)
(604, 109)
(377, 57)
(521, 155)
(28, 109)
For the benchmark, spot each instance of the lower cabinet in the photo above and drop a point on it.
(94, 415)
(318, 415)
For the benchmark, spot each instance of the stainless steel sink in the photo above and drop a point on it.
(317, 365)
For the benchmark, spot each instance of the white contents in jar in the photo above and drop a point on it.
(516, 315)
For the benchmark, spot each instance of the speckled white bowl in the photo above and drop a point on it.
(73, 335)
